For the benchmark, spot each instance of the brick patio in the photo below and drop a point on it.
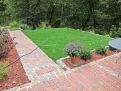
(45, 75)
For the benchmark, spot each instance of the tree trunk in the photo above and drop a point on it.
(62, 9)
(51, 14)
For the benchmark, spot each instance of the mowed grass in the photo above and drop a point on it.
(52, 41)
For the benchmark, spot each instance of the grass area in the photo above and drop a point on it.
(52, 41)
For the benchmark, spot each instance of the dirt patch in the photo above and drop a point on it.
(95, 57)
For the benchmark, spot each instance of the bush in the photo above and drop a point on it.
(100, 31)
(85, 55)
(101, 51)
(57, 23)
(14, 24)
(44, 25)
(4, 48)
(3, 71)
(24, 26)
(73, 49)
(115, 34)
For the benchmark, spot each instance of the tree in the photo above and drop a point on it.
(98, 14)
(2, 11)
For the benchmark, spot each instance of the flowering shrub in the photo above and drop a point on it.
(4, 49)
(73, 49)
(3, 70)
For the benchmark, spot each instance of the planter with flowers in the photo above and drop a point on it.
(73, 50)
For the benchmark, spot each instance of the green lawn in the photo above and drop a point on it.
(52, 41)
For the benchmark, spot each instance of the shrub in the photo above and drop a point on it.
(115, 34)
(100, 31)
(101, 51)
(3, 70)
(85, 55)
(44, 25)
(4, 49)
(73, 49)
(14, 24)
(57, 23)
(24, 26)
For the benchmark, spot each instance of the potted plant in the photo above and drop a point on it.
(85, 55)
(73, 49)
(101, 51)
(75, 59)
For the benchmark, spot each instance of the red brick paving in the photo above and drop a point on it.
(88, 78)
(96, 76)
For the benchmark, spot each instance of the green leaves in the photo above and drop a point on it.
(99, 14)
(3, 71)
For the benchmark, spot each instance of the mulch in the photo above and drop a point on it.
(95, 57)
(17, 76)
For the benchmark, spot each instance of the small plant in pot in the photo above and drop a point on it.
(101, 51)
(73, 50)
(85, 55)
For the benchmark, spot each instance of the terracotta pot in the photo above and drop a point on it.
(75, 59)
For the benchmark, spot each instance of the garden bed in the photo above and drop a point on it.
(16, 75)
(95, 57)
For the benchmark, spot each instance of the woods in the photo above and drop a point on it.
(90, 15)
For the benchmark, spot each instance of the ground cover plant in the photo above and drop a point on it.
(53, 40)
(3, 71)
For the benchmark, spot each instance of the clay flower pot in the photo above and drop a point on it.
(75, 60)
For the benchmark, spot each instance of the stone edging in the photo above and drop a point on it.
(63, 65)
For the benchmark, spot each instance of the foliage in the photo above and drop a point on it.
(73, 49)
(53, 40)
(2, 5)
(4, 49)
(101, 50)
(57, 23)
(115, 32)
(27, 11)
(3, 15)
(44, 25)
(100, 14)
(3, 71)
(14, 24)
(85, 55)
(24, 26)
